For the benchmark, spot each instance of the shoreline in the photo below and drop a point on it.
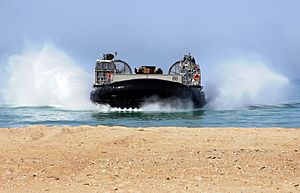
(145, 127)
(152, 159)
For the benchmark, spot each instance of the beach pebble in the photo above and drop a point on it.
(261, 168)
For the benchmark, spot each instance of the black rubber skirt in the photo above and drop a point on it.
(134, 93)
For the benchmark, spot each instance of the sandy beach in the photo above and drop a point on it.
(120, 159)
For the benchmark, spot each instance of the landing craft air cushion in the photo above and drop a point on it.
(116, 85)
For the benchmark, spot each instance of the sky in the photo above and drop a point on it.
(158, 32)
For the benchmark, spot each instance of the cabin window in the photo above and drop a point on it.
(99, 76)
(105, 66)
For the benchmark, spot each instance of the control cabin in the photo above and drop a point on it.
(109, 70)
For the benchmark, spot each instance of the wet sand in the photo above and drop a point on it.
(120, 159)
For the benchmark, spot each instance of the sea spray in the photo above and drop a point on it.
(106, 108)
(155, 104)
(46, 76)
(241, 82)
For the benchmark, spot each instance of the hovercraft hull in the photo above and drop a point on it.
(134, 93)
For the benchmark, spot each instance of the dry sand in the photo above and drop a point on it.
(119, 159)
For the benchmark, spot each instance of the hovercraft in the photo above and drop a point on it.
(116, 85)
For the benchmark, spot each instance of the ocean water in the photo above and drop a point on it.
(285, 115)
(45, 86)
(282, 115)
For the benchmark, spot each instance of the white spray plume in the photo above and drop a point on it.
(155, 104)
(46, 76)
(240, 83)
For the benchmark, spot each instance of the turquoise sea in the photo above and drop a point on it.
(285, 115)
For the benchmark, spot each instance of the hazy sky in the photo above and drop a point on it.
(158, 31)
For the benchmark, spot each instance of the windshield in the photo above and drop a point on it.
(105, 66)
